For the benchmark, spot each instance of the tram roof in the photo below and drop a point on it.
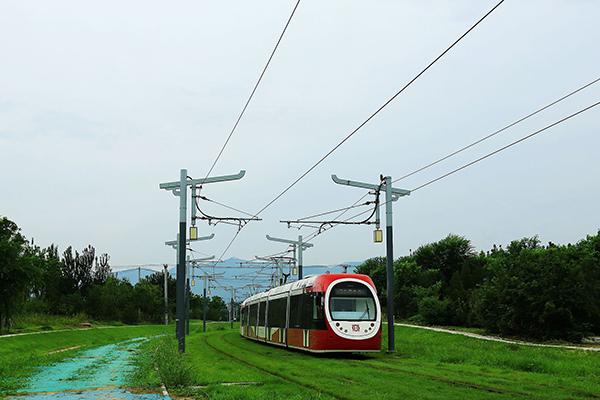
(307, 281)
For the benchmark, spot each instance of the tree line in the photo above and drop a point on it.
(526, 289)
(36, 280)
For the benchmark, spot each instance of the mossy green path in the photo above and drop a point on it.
(427, 365)
(21, 356)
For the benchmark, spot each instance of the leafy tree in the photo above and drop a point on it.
(102, 270)
(376, 268)
(50, 292)
(17, 269)
(542, 293)
(114, 300)
(149, 301)
(157, 279)
(411, 284)
(216, 309)
(77, 270)
(448, 256)
(197, 306)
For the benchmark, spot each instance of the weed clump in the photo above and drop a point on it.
(170, 363)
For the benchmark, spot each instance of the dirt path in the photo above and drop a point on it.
(93, 374)
(496, 339)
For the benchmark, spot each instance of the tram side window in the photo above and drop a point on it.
(261, 313)
(252, 313)
(243, 316)
(296, 311)
(318, 313)
(277, 313)
(307, 309)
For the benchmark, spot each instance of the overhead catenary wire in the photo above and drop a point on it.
(379, 109)
(365, 122)
(312, 236)
(253, 90)
(299, 220)
(227, 220)
(507, 146)
(316, 233)
(496, 151)
(224, 205)
(498, 131)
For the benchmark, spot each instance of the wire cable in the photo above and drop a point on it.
(223, 205)
(316, 233)
(253, 91)
(334, 211)
(483, 158)
(498, 131)
(378, 110)
(507, 146)
(366, 121)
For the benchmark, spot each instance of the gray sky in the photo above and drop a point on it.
(102, 101)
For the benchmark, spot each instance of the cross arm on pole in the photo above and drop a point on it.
(202, 259)
(396, 193)
(203, 238)
(174, 243)
(193, 182)
(294, 242)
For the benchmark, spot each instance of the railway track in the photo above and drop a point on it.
(353, 377)
(391, 371)
(379, 368)
(435, 378)
(263, 370)
(395, 371)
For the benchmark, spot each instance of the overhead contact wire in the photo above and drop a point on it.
(498, 131)
(507, 146)
(316, 233)
(253, 90)
(368, 119)
(378, 110)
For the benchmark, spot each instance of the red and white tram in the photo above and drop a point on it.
(320, 313)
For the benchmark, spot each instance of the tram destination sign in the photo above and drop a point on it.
(351, 292)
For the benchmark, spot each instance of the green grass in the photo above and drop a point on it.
(426, 365)
(20, 356)
(35, 322)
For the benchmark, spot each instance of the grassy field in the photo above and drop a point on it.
(34, 322)
(21, 355)
(427, 365)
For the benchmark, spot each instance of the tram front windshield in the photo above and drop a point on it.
(352, 301)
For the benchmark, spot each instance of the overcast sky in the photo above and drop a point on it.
(100, 102)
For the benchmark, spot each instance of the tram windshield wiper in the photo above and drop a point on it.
(366, 311)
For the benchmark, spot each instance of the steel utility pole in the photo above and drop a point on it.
(175, 244)
(298, 244)
(193, 264)
(206, 278)
(232, 314)
(166, 297)
(391, 195)
(179, 188)
(232, 300)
